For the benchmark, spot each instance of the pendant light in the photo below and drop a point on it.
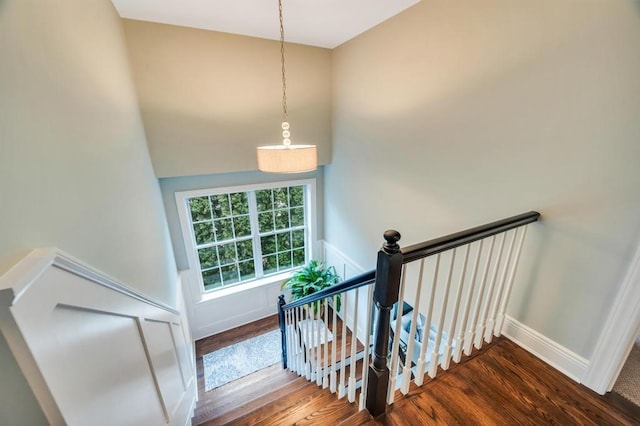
(286, 158)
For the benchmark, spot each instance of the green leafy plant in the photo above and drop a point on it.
(313, 277)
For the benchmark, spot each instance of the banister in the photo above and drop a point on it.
(352, 283)
(437, 245)
(386, 278)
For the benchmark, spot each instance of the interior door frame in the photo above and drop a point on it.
(619, 334)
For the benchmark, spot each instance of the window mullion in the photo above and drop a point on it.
(255, 234)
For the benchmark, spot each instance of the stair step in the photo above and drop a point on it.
(308, 405)
(360, 418)
(234, 399)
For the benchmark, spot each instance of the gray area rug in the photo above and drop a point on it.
(628, 383)
(236, 361)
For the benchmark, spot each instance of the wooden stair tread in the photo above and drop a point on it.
(305, 405)
(249, 387)
(360, 418)
(235, 405)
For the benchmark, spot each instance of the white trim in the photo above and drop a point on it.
(557, 356)
(51, 302)
(244, 188)
(311, 217)
(619, 333)
(347, 268)
(28, 270)
(250, 285)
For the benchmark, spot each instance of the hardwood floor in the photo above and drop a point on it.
(504, 385)
(500, 385)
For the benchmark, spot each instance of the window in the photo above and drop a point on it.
(241, 234)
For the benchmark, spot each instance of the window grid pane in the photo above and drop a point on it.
(288, 218)
(223, 235)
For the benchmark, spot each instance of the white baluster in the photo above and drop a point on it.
(365, 359)
(300, 330)
(395, 347)
(491, 322)
(318, 347)
(294, 341)
(507, 293)
(456, 306)
(474, 319)
(343, 348)
(354, 346)
(460, 339)
(325, 363)
(433, 366)
(309, 340)
(287, 335)
(406, 373)
(422, 361)
(333, 377)
(489, 298)
(310, 319)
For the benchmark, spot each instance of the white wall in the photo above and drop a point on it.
(208, 99)
(75, 171)
(455, 113)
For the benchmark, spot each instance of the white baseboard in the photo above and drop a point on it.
(557, 356)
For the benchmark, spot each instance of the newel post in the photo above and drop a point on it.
(283, 334)
(385, 295)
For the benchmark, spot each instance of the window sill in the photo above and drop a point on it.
(245, 287)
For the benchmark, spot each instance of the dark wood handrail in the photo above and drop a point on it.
(438, 245)
(346, 285)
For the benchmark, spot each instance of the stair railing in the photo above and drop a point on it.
(430, 328)
(416, 319)
(326, 335)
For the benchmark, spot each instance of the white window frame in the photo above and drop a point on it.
(184, 215)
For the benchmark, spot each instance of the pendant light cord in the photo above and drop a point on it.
(285, 116)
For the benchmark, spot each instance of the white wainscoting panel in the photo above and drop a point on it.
(229, 309)
(94, 351)
(347, 268)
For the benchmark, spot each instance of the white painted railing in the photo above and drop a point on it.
(330, 346)
(434, 301)
(449, 307)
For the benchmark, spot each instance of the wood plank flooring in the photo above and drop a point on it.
(500, 385)
(504, 385)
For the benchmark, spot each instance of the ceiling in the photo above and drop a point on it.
(322, 23)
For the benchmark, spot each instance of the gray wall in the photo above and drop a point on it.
(170, 186)
(457, 113)
(75, 171)
(208, 99)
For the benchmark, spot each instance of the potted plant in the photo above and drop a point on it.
(313, 277)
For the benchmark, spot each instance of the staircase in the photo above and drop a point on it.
(424, 305)
(433, 347)
(266, 396)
